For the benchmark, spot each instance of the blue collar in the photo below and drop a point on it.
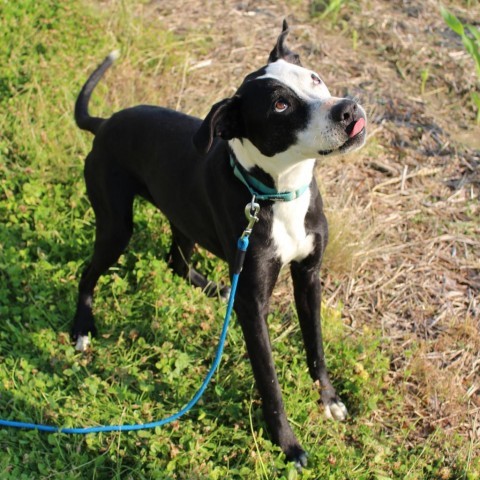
(259, 189)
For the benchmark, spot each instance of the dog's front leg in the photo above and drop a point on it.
(307, 291)
(251, 306)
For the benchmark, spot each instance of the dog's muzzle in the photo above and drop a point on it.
(348, 116)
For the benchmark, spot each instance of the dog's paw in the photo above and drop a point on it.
(83, 342)
(301, 461)
(335, 409)
(298, 456)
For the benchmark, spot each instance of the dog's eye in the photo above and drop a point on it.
(280, 106)
(316, 79)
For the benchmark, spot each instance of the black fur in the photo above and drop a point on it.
(181, 165)
(274, 132)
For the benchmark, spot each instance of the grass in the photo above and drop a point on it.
(471, 44)
(157, 334)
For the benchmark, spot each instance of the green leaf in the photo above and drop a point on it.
(182, 361)
(476, 99)
(475, 32)
(472, 48)
(452, 21)
(469, 45)
(292, 474)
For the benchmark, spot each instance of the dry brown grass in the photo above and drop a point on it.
(419, 281)
(404, 213)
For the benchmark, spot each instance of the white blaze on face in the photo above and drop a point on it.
(299, 79)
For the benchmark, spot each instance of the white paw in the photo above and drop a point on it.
(82, 344)
(336, 410)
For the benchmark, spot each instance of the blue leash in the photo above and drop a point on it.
(251, 211)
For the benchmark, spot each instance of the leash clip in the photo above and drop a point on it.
(251, 212)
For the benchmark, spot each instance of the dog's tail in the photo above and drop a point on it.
(82, 117)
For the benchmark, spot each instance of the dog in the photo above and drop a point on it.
(201, 174)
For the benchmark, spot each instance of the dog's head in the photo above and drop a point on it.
(285, 108)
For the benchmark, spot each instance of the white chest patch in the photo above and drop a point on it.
(292, 243)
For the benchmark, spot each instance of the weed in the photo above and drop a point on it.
(424, 74)
(471, 44)
(354, 39)
(327, 8)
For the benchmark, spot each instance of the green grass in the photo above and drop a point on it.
(470, 35)
(157, 333)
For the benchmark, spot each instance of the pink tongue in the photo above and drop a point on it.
(358, 127)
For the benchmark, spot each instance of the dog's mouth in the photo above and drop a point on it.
(355, 127)
(356, 133)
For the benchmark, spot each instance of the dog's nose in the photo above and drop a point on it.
(345, 111)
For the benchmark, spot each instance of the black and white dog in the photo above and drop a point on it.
(200, 174)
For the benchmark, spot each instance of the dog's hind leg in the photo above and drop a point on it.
(179, 261)
(307, 292)
(112, 203)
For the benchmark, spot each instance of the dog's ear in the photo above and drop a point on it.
(281, 51)
(223, 121)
